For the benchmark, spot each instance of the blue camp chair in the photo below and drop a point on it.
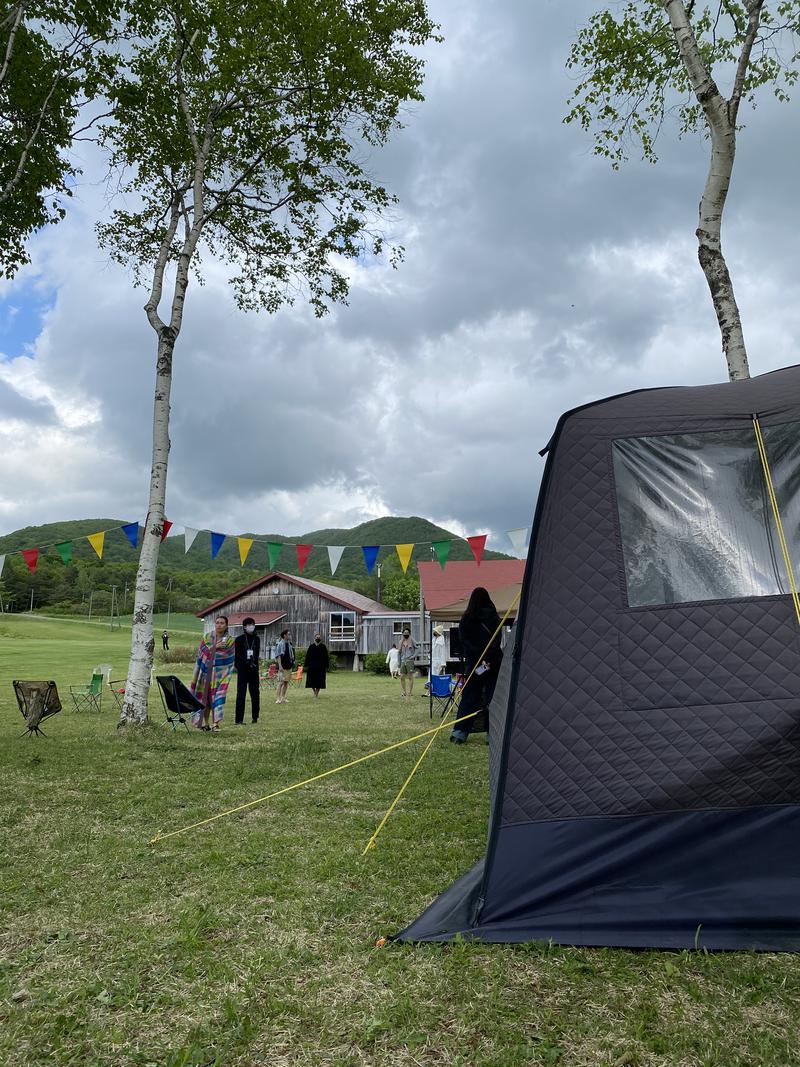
(441, 690)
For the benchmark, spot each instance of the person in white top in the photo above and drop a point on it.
(393, 659)
(438, 651)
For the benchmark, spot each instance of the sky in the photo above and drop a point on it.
(535, 279)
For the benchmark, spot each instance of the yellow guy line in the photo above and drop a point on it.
(762, 451)
(288, 789)
(371, 843)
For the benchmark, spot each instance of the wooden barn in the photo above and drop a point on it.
(352, 625)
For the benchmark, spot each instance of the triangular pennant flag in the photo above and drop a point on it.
(334, 556)
(404, 555)
(97, 541)
(217, 540)
(477, 544)
(303, 552)
(245, 544)
(64, 549)
(518, 538)
(189, 535)
(442, 550)
(273, 553)
(131, 531)
(370, 555)
(2, 563)
(167, 528)
(31, 557)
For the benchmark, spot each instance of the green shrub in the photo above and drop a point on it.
(376, 663)
(178, 654)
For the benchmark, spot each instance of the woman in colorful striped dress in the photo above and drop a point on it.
(212, 675)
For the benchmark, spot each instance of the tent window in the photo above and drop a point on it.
(695, 519)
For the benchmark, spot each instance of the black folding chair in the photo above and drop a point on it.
(37, 701)
(177, 700)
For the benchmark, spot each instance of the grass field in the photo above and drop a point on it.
(252, 941)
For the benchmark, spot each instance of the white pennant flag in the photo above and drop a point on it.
(519, 539)
(188, 538)
(2, 563)
(334, 556)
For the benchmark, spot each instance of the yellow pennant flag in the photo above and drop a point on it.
(97, 541)
(245, 544)
(404, 555)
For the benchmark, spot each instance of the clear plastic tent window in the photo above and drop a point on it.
(695, 516)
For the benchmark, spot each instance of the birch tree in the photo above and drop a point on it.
(50, 56)
(242, 131)
(652, 59)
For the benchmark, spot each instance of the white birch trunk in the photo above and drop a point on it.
(721, 117)
(137, 685)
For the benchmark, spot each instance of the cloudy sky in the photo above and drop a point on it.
(535, 279)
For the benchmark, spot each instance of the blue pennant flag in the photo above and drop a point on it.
(370, 555)
(216, 543)
(131, 531)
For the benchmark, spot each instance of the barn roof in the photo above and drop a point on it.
(348, 598)
(459, 578)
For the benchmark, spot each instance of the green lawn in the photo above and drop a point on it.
(252, 941)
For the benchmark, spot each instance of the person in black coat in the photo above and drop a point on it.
(316, 665)
(479, 628)
(246, 651)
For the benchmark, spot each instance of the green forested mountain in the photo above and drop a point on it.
(192, 579)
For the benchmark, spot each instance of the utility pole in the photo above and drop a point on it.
(114, 609)
(378, 582)
(91, 595)
(31, 598)
(169, 600)
(125, 600)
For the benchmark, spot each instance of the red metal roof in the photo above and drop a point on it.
(459, 578)
(260, 618)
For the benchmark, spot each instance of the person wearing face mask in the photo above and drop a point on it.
(247, 650)
(316, 665)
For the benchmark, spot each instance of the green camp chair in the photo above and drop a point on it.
(88, 697)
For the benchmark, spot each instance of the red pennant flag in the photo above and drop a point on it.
(166, 530)
(303, 552)
(477, 544)
(31, 557)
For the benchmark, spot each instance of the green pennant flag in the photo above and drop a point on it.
(442, 550)
(64, 549)
(273, 551)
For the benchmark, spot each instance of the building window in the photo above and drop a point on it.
(695, 520)
(343, 626)
(398, 626)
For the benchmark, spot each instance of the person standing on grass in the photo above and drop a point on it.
(284, 659)
(407, 655)
(165, 641)
(479, 631)
(247, 648)
(316, 665)
(212, 675)
(393, 659)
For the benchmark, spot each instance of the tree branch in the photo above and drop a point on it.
(17, 13)
(754, 18)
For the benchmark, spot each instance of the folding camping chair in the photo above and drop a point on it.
(89, 696)
(37, 701)
(176, 700)
(442, 692)
(297, 675)
(117, 688)
(268, 678)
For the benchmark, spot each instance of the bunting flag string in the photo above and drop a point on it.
(370, 555)
(245, 544)
(477, 544)
(335, 553)
(303, 552)
(404, 555)
(217, 541)
(440, 549)
(97, 541)
(273, 553)
(64, 549)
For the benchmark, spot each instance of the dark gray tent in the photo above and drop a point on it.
(647, 788)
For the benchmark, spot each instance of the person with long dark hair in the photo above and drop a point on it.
(479, 630)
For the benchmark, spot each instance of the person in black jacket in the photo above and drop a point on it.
(479, 631)
(316, 665)
(247, 648)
